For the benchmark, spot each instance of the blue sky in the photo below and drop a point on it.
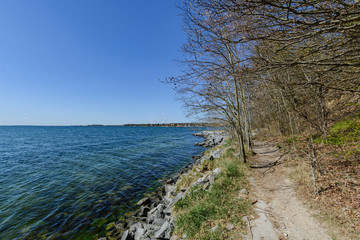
(84, 62)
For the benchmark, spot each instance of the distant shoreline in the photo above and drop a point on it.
(155, 125)
(124, 125)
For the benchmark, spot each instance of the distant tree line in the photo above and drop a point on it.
(170, 125)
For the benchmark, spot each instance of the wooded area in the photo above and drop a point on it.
(277, 68)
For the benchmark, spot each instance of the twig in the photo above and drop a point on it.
(269, 165)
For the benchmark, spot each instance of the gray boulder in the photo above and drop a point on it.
(139, 234)
(143, 201)
(178, 197)
(164, 231)
(126, 235)
(216, 172)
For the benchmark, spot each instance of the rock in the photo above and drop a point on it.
(143, 201)
(144, 211)
(206, 186)
(103, 238)
(216, 172)
(245, 219)
(157, 212)
(178, 197)
(169, 181)
(244, 191)
(126, 235)
(161, 232)
(150, 230)
(134, 227)
(140, 232)
(155, 204)
(252, 181)
(159, 222)
(172, 220)
(262, 205)
(153, 210)
(168, 233)
(215, 154)
(167, 210)
(120, 226)
(212, 138)
(229, 227)
(242, 196)
(154, 219)
(211, 179)
(200, 181)
(213, 229)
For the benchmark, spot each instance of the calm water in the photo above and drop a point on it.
(68, 182)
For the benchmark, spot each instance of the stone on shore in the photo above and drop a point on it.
(164, 231)
(126, 235)
(154, 220)
(143, 201)
(216, 172)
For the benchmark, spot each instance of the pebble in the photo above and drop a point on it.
(229, 226)
(213, 229)
(252, 181)
(244, 191)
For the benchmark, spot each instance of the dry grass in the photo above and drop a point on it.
(338, 198)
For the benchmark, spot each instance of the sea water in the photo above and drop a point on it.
(69, 182)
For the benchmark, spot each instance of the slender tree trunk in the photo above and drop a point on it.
(313, 161)
(247, 119)
(279, 117)
(324, 124)
(290, 120)
(240, 122)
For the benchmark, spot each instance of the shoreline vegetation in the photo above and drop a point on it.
(205, 184)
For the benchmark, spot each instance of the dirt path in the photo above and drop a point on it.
(281, 215)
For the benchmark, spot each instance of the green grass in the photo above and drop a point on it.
(344, 131)
(228, 143)
(203, 209)
(229, 152)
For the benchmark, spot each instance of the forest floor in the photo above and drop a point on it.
(281, 214)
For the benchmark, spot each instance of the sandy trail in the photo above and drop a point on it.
(281, 215)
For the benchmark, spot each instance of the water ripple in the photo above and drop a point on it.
(62, 182)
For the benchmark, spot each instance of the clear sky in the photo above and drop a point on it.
(89, 62)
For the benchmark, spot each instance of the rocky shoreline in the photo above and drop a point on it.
(154, 219)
